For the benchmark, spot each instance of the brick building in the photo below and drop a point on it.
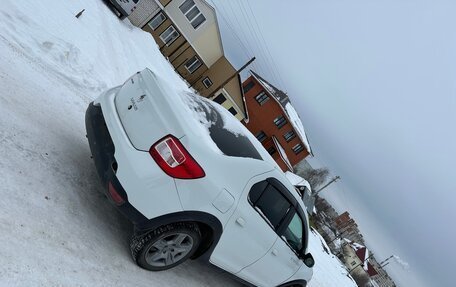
(274, 122)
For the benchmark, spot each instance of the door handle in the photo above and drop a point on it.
(240, 221)
(275, 252)
(295, 260)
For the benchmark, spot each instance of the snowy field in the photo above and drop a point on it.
(56, 227)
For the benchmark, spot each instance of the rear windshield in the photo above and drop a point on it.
(220, 124)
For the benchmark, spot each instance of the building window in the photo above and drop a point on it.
(261, 136)
(289, 136)
(298, 148)
(280, 121)
(249, 86)
(220, 99)
(207, 82)
(157, 21)
(193, 64)
(262, 98)
(272, 150)
(193, 14)
(233, 111)
(169, 35)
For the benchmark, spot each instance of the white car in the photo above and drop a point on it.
(196, 183)
(124, 7)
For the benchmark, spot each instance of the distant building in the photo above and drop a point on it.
(382, 279)
(275, 122)
(187, 33)
(356, 258)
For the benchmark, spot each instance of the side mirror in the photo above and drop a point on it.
(308, 260)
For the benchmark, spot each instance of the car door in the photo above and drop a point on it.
(282, 260)
(249, 234)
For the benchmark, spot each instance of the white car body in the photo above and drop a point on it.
(143, 111)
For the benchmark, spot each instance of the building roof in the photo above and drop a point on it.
(282, 153)
(278, 94)
(363, 254)
(287, 107)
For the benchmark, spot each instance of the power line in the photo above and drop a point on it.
(266, 47)
(266, 63)
(243, 32)
(250, 24)
(243, 47)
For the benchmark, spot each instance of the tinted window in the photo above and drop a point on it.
(271, 204)
(256, 191)
(229, 143)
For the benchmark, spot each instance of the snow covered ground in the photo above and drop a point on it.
(56, 227)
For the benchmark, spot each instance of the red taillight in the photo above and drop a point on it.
(174, 159)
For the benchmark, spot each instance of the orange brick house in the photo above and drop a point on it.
(275, 122)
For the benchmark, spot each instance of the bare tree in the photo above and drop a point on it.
(361, 278)
(315, 177)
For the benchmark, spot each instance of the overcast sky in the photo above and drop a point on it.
(374, 82)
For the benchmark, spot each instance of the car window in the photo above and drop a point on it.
(230, 143)
(294, 233)
(269, 202)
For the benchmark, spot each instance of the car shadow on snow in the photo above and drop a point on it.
(87, 198)
(88, 195)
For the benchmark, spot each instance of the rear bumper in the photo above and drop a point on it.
(102, 149)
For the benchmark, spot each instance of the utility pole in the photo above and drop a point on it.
(233, 75)
(326, 185)
(384, 261)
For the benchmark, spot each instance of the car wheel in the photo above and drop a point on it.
(166, 246)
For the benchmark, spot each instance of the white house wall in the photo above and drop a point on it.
(206, 38)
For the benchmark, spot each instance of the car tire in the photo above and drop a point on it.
(166, 246)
